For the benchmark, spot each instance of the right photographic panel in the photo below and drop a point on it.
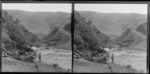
(110, 38)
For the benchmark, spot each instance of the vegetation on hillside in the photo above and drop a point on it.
(113, 24)
(87, 38)
(129, 38)
(59, 37)
(142, 28)
(15, 37)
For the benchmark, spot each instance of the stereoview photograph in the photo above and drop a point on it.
(110, 38)
(36, 37)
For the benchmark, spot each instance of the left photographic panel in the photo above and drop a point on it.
(36, 37)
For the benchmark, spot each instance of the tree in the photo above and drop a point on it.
(90, 22)
(17, 21)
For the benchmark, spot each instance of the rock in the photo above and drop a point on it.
(55, 65)
(4, 55)
(128, 66)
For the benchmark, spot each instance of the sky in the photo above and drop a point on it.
(38, 7)
(61, 7)
(113, 8)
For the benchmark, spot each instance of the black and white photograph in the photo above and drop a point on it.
(36, 37)
(110, 38)
(74, 36)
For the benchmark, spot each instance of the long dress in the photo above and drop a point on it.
(112, 58)
(39, 56)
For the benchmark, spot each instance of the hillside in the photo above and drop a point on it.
(129, 38)
(142, 28)
(43, 24)
(87, 37)
(124, 29)
(40, 23)
(14, 34)
(134, 38)
(20, 58)
(59, 37)
(113, 24)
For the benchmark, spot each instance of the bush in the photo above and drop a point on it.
(128, 66)
(55, 65)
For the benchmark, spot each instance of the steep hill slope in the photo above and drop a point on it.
(129, 38)
(15, 34)
(87, 37)
(113, 24)
(125, 29)
(41, 23)
(134, 38)
(59, 37)
(142, 28)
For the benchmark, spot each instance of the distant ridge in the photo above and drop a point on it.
(114, 23)
(40, 23)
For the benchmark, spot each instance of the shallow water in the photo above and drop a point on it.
(131, 57)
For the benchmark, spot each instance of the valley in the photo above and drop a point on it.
(125, 33)
(93, 31)
(16, 37)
